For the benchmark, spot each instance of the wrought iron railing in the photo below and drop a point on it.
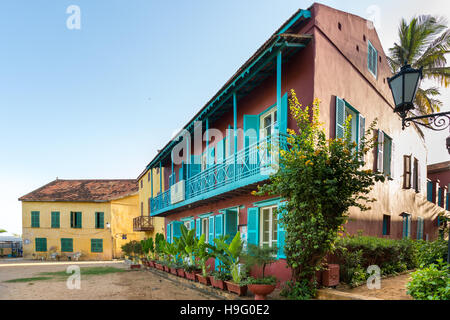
(260, 158)
(143, 223)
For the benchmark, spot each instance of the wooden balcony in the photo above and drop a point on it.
(143, 223)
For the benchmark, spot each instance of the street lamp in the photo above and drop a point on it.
(404, 87)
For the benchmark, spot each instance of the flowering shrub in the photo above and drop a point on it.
(431, 283)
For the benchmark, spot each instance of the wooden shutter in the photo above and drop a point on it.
(35, 219)
(281, 232)
(380, 142)
(406, 172)
(211, 230)
(251, 129)
(392, 159)
(101, 222)
(419, 228)
(231, 223)
(218, 225)
(78, 220)
(176, 229)
(198, 228)
(340, 117)
(253, 226)
(284, 114)
(362, 131)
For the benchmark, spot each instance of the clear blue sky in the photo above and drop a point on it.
(98, 102)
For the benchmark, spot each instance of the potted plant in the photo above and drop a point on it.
(159, 245)
(229, 256)
(218, 278)
(188, 242)
(203, 252)
(260, 257)
(133, 250)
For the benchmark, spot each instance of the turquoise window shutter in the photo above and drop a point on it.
(195, 165)
(211, 156)
(253, 226)
(251, 129)
(284, 114)
(192, 224)
(79, 224)
(169, 228)
(211, 230)
(221, 151)
(340, 117)
(281, 233)
(198, 228)
(219, 225)
(176, 229)
(430, 191)
(230, 141)
(230, 224)
(362, 130)
(380, 150)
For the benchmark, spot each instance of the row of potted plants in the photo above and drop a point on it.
(188, 257)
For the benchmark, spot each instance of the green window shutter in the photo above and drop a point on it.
(96, 245)
(387, 154)
(340, 117)
(380, 140)
(251, 129)
(253, 226)
(40, 244)
(66, 245)
(419, 228)
(362, 131)
(99, 220)
(283, 122)
(55, 219)
(219, 225)
(198, 228)
(35, 219)
(211, 230)
(72, 223)
(78, 220)
(281, 233)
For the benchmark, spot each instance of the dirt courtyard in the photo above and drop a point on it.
(128, 285)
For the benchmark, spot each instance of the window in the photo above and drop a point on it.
(372, 59)
(99, 220)
(267, 121)
(440, 193)
(35, 219)
(430, 191)
(387, 151)
(406, 225)
(142, 208)
(96, 245)
(269, 224)
(386, 225)
(66, 245)
(205, 228)
(41, 244)
(406, 172)
(75, 219)
(416, 176)
(357, 121)
(187, 224)
(55, 219)
(420, 224)
(385, 148)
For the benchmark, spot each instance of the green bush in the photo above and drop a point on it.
(429, 252)
(431, 283)
(300, 290)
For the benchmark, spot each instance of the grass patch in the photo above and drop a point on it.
(86, 271)
(28, 279)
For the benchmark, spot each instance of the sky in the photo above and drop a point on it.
(98, 101)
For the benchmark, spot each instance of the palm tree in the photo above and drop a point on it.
(424, 42)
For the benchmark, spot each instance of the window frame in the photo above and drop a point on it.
(371, 48)
(35, 219)
(64, 247)
(95, 244)
(271, 225)
(387, 169)
(74, 220)
(97, 220)
(53, 218)
(36, 247)
(386, 225)
(406, 173)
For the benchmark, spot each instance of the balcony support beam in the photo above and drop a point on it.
(279, 64)
(235, 130)
(160, 177)
(151, 182)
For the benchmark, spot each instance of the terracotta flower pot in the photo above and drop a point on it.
(173, 271)
(180, 272)
(135, 266)
(236, 288)
(151, 264)
(166, 269)
(190, 275)
(202, 279)
(217, 283)
(159, 266)
(261, 290)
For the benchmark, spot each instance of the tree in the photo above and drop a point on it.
(423, 42)
(320, 179)
(2, 230)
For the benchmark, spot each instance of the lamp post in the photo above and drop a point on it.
(404, 87)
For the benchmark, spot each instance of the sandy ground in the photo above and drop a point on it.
(130, 285)
(393, 288)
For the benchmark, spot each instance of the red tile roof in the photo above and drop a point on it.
(83, 190)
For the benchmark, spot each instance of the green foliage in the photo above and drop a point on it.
(159, 245)
(2, 230)
(431, 283)
(271, 280)
(203, 252)
(229, 255)
(429, 252)
(221, 275)
(300, 290)
(259, 256)
(320, 179)
(189, 242)
(133, 250)
(148, 247)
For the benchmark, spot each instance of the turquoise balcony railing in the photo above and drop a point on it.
(249, 165)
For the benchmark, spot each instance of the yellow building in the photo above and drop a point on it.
(150, 184)
(91, 217)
